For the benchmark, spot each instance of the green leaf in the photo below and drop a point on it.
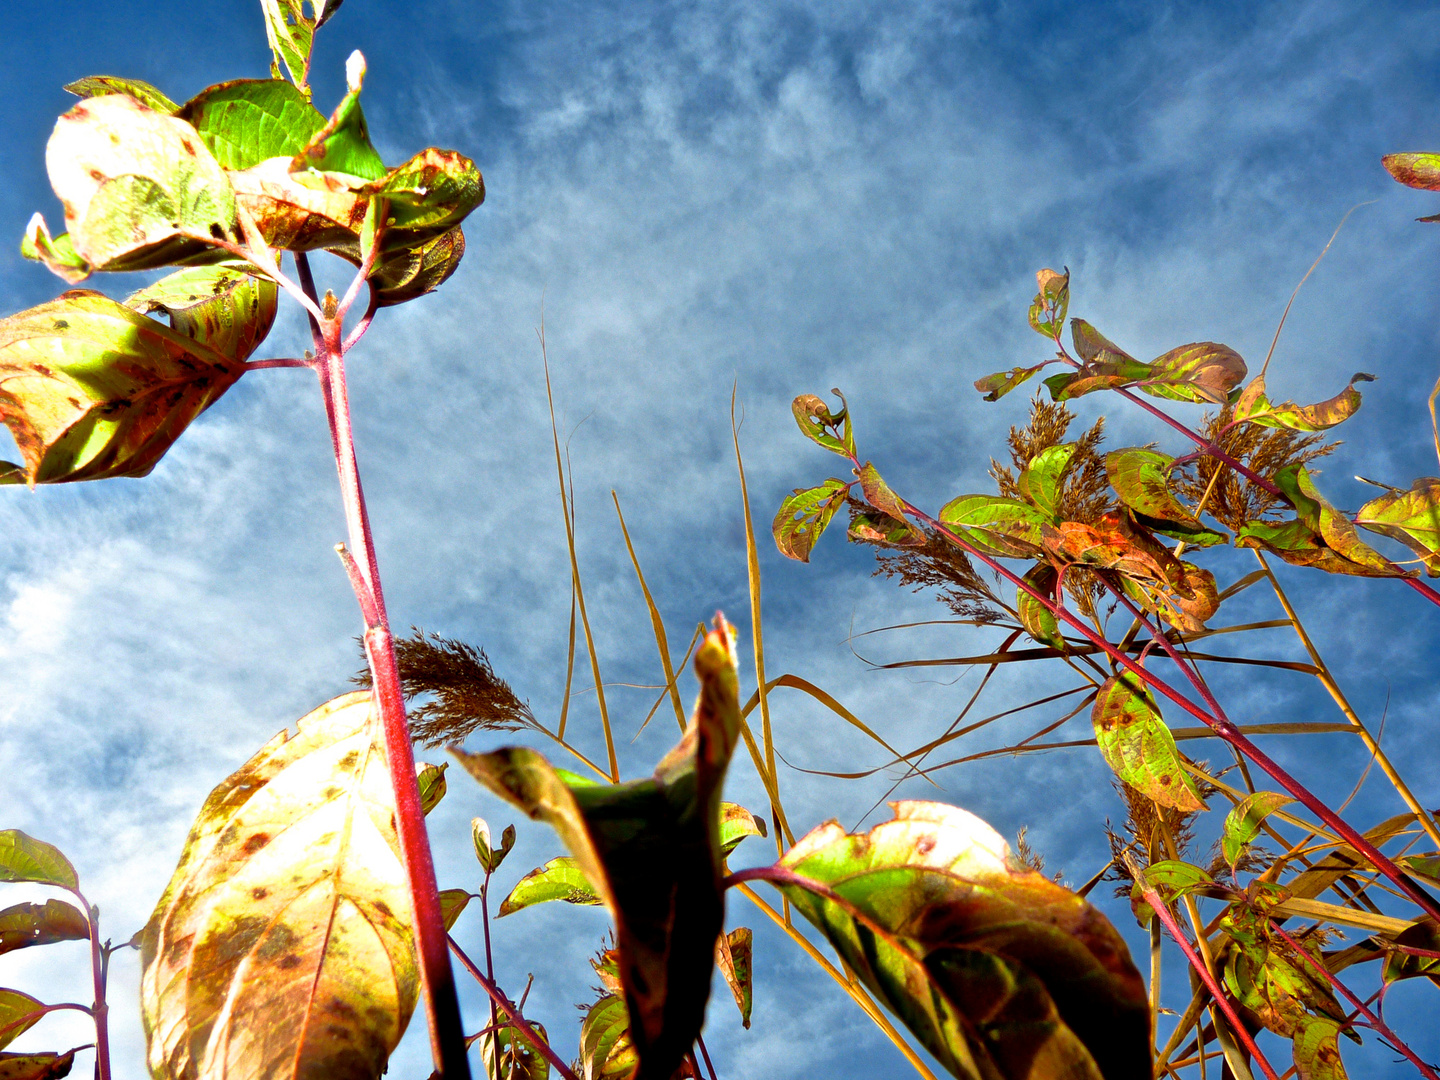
(1104, 365)
(651, 851)
(804, 516)
(10, 473)
(292, 33)
(1202, 371)
(1047, 311)
(248, 121)
(1136, 743)
(1039, 621)
(607, 1051)
(733, 954)
(1170, 879)
(23, 858)
(830, 430)
(430, 779)
(508, 1054)
(93, 86)
(1414, 170)
(1298, 545)
(14, 1007)
(452, 905)
(36, 1066)
(1256, 408)
(997, 526)
(91, 388)
(222, 307)
(1242, 824)
(1040, 481)
(413, 272)
(58, 254)
(997, 970)
(1142, 480)
(342, 146)
(1412, 517)
(24, 925)
(486, 853)
(1337, 530)
(137, 186)
(1398, 965)
(996, 386)
(1317, 1050)
(432, 192)
(559, 879)
(282, 945)
(736, 823)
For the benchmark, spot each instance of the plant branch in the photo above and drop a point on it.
(279, 362)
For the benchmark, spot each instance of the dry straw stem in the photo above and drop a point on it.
(662, 642)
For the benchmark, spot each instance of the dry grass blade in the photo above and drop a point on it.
(670, 686)
(469, 695)
(662, 642)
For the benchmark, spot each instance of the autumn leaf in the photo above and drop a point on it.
(831, 430)
(282, 946)
(23, 925)
(1253, 406)
(18, 1014)
(1242, 824)
(23, 858)
(804, 516)
(221, 307)
(1136, 743)
(1412, 517)
(733, 958)
(1141, 477)
(36, 1066)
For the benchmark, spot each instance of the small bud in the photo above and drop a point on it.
(355, 71)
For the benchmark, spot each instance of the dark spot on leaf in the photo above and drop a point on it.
(97, 176)
(925, 844)
(259, 892)
(384, 909)
(288, 961)
(255, 843)
(62, 324)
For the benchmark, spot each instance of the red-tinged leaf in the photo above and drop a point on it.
(1170, 880)
(873, 527)
(18, 1014)
(1141, 478)
(607, 1051)
(1047, 310)
(996, 386)
(736, 823)
(1040, 480)
(651, 851)
(995, 525)
(878, 494)
(58, 253)
(36, 1066)
(997, 970)
(831, 430)
(292, 33)
(486, 853)
(282, 946)
(1412, 517)
(221, 307)
(1039, 621)
(1136, 743)
(509, 1054)
(732, 957)
(321, 212)
(804, 516)
(91, 389)
(1295, 543)
(1094, 347)
(1337, 530)
(24, 925)
(1255, 407)
(453, 903)
(1414, 170)
(23, 858)
(1104, 365)
(1113, 543)
(431, 193)
(1317, 1050)
(415, 271)
(138, 186)
(1242, 824)
(1202, 371)
(1186, 603)
(100, 85)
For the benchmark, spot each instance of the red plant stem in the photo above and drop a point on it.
(1344, 991)
(100, 1012)
(710, 1065)
(512, 1014)
(437, 980)
(1218, 723)
(485, 921)
(1207, 977)
(278, 362)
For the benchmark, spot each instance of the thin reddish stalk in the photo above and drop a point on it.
(1379, 1025)
(512, 1014)
(100, 1012)
(1221, 725)
(1239, 1029)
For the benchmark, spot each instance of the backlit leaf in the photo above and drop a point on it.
(248, 121)
(282, 946)
(14, 1007)
(91, 388)
(1047, 310)
(432, 192)
(23, 858)
(1297, 544)
(100, 85)
(1039, 621)
(136, 185)
(733, 956)
(1337, 530)
(873, 527)
(1104, 365)
(1113, 543)
(805, 515)
(995, 525)
(508, 1055)
(1317, 1050)
(486, 853)
(291, 33)
(606, 1049)
(830, 430)
(219, 306)
(1412, 517)
(1414, 170)
(1202, 371)
(36, 1066)
(999, 972)
(1170, 879)
(24, 925)
(430, 779)
(299, 212)
(58, 253)
(1136, 743)
(1242, 824)
(559, 879)
(342, 146)
(651, 851)
(1256, 408)
(1141, 478)
(1398, 965)
(736, 823)
(453, 903)
(996, 386)
(1039, 481)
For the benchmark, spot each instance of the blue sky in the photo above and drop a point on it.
(778, 197)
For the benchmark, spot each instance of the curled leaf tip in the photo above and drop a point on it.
(355, 71)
